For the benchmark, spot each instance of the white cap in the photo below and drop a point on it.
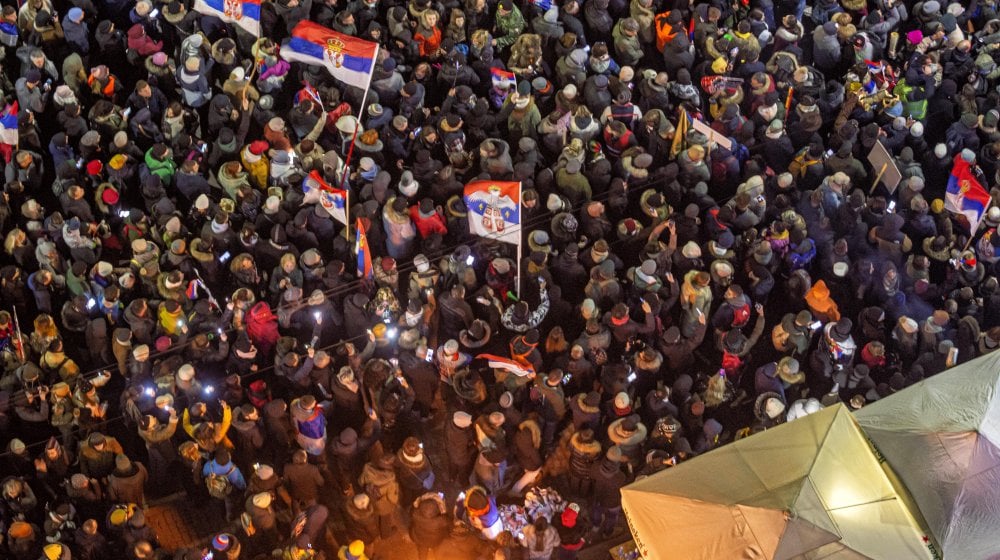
(262, 500)
(622, 401)
(185, 373)
(462, 419)
(773, 408)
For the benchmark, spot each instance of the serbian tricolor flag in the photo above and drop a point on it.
(333, 200)
(8, 131)
(364, 255)
(495, 209)
(308, 92)
(502, 79)
(965, 195)
(349, 59)
(499, 362)
(242, 13)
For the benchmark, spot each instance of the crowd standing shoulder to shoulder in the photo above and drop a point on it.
(228, 273)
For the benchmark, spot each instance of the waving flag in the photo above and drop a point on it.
(8, 131)
(364, 256)
(495, 209)
(8, 124)
(333, 200)
(243, 13)
(349, 59)
(499, 362)
(308, 91)
(965, 195)
(502, 78)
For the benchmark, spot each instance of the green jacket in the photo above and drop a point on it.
(163, 169)
(575, 186)
(628, 49)
(508, 28)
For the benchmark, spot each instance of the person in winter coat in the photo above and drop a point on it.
(608, 481)
(378, 478)
(430, 523)
(540, 539)
(126, 484)
(231, 482)
(826, 47)
(303, 481)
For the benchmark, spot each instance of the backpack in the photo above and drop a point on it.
(218, 485)
(801, 163)
(779, 337)
(741, 315)
(731, 362)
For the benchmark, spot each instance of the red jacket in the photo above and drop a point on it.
(427, 226)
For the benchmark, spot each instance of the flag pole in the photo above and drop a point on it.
(371, 74)
(20, 341)
(347, 215)
(972, 233)
(520, 238)
(357, 125)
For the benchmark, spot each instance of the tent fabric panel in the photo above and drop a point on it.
(971, 532)
(845, 472)
(800, 537)
(881, 530)
(696, 530)
(720, 476)
(809, 507)
(932, 467)
(786, 453)
(957, 400)
(725, 475)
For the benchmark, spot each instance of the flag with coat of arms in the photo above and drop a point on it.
(349, 59)
(495, 209)
(245, 14)
(332, 199)
(964, 194)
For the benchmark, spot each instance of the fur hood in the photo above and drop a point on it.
(534, 429)
(592, 449)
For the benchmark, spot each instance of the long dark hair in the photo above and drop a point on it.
(541, 524)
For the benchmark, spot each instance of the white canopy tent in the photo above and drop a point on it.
(942, 438)
(809, 489)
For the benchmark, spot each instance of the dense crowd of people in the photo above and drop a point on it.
(708, 251)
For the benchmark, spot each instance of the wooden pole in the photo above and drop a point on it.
(878, 178)
(972, 234)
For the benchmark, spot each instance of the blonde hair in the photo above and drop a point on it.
(45, 326)
(13, 240)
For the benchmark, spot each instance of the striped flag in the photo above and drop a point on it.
(8, 131)
(965, 195)
(243, 13)
(349, 59)
(502, 79)
(499, 362)
(333, 200)
(495, 209)
(364, 255)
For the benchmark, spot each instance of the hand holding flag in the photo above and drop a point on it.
(333, 200)
(965, 195)
(365, 269)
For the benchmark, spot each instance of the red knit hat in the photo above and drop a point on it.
(569, 515)
(94, 167)
(258, 147)
(110, 196)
